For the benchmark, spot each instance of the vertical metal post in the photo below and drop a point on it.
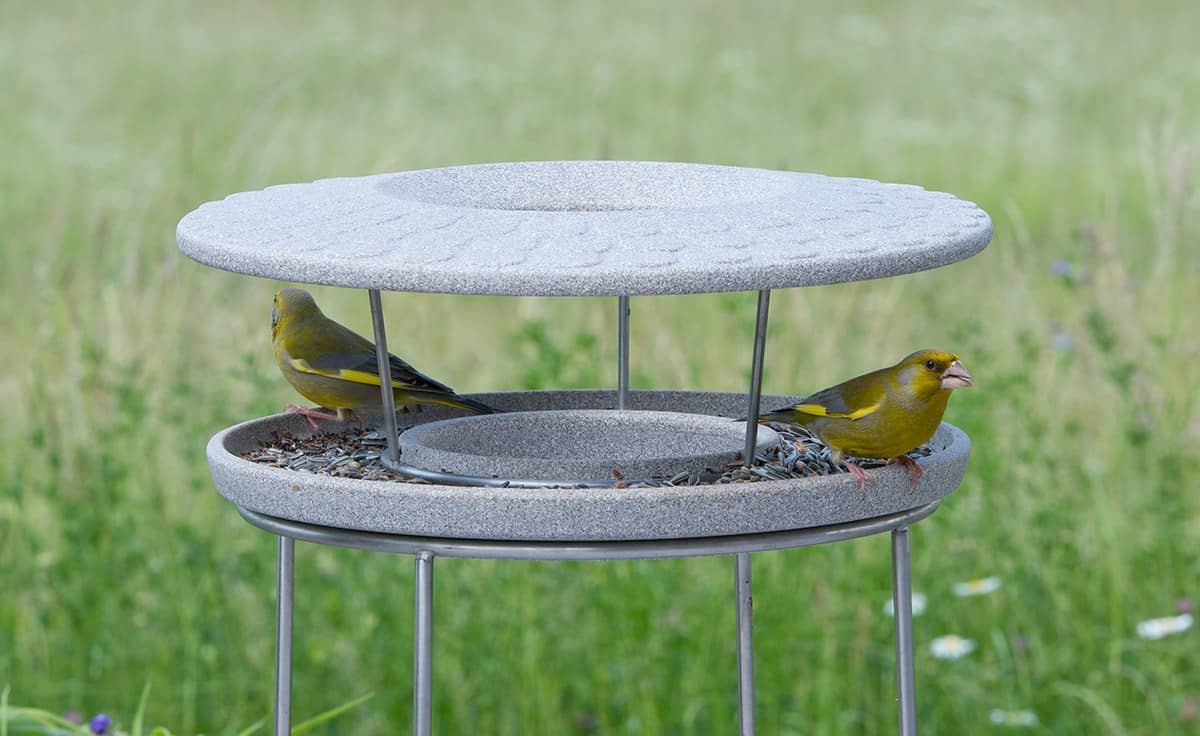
(622, 351)
(423, 646)
(745, 644)
(285, 580)
(760, 345)
(902, 605)
(385, 377)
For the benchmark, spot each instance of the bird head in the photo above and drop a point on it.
(292, 306)
(930, 371)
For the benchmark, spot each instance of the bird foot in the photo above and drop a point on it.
(861, 475)
(312, 415)
(915, 471)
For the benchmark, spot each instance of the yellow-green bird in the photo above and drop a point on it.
(336, 368)
(883, 414)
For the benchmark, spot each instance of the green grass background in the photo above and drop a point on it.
(1074, 125)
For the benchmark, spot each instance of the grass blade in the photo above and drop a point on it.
(141, 711)
(328, 715)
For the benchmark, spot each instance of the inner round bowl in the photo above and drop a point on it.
(585, 186)
(578, 444)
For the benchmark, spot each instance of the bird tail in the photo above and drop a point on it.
(456, 402)
(784, 415)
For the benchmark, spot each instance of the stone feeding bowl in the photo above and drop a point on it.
(580, 228)
(571, 513)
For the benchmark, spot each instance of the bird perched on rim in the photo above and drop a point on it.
(883, 414)
(337, 368)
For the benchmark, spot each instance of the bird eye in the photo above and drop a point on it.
(931, 364)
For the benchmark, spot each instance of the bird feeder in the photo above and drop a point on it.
(516, 485)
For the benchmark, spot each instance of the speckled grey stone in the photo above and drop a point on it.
(575, 514)
(584, 228)
(578, 444)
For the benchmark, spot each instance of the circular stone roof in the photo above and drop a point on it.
(575, 228)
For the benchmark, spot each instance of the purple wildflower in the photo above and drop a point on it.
(1184, 605)
(100, 723)
(1061, 268)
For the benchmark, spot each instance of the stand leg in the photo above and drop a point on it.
(285, 581)
(423, 646)
(745, 645)
(902, 603)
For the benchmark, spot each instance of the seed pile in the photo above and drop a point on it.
(357, 453)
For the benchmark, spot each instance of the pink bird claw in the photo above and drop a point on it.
(861, 475)
(312, 415)
(915, 471)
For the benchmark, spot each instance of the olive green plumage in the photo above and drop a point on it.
(337, 368)
(883, 414)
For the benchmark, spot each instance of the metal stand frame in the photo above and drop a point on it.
(424, 549)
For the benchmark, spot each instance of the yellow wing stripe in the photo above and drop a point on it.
(817, 410)
(353, 376)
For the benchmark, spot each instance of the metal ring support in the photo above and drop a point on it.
(574, 550)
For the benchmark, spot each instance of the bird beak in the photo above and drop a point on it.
(956, 376)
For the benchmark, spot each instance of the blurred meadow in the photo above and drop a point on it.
(1075, 125)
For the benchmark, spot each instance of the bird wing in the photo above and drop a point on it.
(362, 367)
(854, 399)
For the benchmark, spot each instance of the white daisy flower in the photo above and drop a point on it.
(1157, 628)
(1024, 718)
(951, 646)
(918, 605)
(978, 586)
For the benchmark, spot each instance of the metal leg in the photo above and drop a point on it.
(902, 603)
(385, 377)
(745, 644)
(423, 646)
(622, 351)
(285, 580)
(760, 345)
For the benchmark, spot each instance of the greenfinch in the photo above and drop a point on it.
(337, 368)
(883, 414)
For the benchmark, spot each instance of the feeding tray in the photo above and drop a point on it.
(580, 444)
(565, 513)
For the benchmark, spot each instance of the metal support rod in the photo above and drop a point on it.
(622, 351)
(902, 605)
(745, 644)
(385, 378)
(423, 646)
(760, 345)
(285, 580)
